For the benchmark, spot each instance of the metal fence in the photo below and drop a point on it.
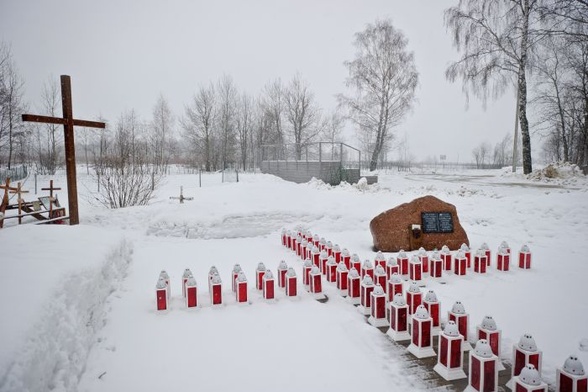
(14, 173)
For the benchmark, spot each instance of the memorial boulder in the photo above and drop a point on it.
(426, 222)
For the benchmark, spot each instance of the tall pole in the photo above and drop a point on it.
(70, 150)
(516, 136)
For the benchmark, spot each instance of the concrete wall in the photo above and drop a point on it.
(303, 171)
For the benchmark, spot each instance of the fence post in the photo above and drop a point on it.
(35, 183)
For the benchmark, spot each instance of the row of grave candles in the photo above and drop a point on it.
(409, 316)
(416, 267)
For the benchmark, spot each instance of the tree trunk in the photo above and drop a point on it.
(522, 88)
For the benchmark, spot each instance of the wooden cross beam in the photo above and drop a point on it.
(182, 198)
(51, 189)
(18, 191)
(68, 123)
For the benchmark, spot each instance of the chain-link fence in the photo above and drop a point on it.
(332, 162)
(14, 173)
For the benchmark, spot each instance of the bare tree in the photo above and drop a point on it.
(273, 108)
(495, 39)
(198, 124)
(332, 128)
(244, 124)
(227, 111)
(12, 129)
(480, 154)
(302, 114)
(384, 78)
(49, 136)
(162, 130)
(503, 151)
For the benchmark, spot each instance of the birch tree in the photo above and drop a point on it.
(494, 38)
(383, 79)
(198, 124)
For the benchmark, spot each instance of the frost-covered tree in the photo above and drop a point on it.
(198, 125)
(303, 114)
(162, 133)
(494, 38)
(383, 79)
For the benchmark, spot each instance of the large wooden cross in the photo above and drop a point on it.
(68, 123)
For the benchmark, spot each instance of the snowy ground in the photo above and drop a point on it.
(79, 302)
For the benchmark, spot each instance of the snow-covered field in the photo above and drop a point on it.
(78, 303)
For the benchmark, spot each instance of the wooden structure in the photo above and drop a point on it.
(68, 123)
(46, 209)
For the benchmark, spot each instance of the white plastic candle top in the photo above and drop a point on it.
(529, 375)
(378, 290)
(431, 296)
(379, 270)
(525, 249)
(261, 267)
(315, 237)
(322, 241)
(341, 267)
(191, 282)
(329, 244)
(268, 275)
(161, 284)
(502, 250)
(402, 254)
(283, 230)
(399, 300)
(237, 268)
(291, 272)
(241, 277)
(315, 270)
(283, 265)
(445, 249)
(392, 261)
(483, 349)
(367, 280)
(395, 278)
(464, 247)
(212, 270)
(480, 252)
(355, 257)
(415, 260)
(527, 343)
(345, 252)
(573, 366)
(504, 244)
(422, 251)
(315, 249)
(289, 233)
(331, 260)
(308, 234)
(336, 248)
(353, 273)
(458, 308)
(308, 263)
(489, 324)
(460, 254)
(298, 238)
(304, 242)
(187, 273)
(324, 254)
(436, 255)
(216, 279)
(414, 288)
(379, 256)
(451, 329)
(484, 246)
(367, 264)
(163, 275)
(421, 313)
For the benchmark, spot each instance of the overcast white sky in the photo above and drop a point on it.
(123, 54)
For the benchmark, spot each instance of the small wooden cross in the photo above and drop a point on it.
(68, 123)
(182, 198)
(7, 188)
(51, 189)
(18, 191)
